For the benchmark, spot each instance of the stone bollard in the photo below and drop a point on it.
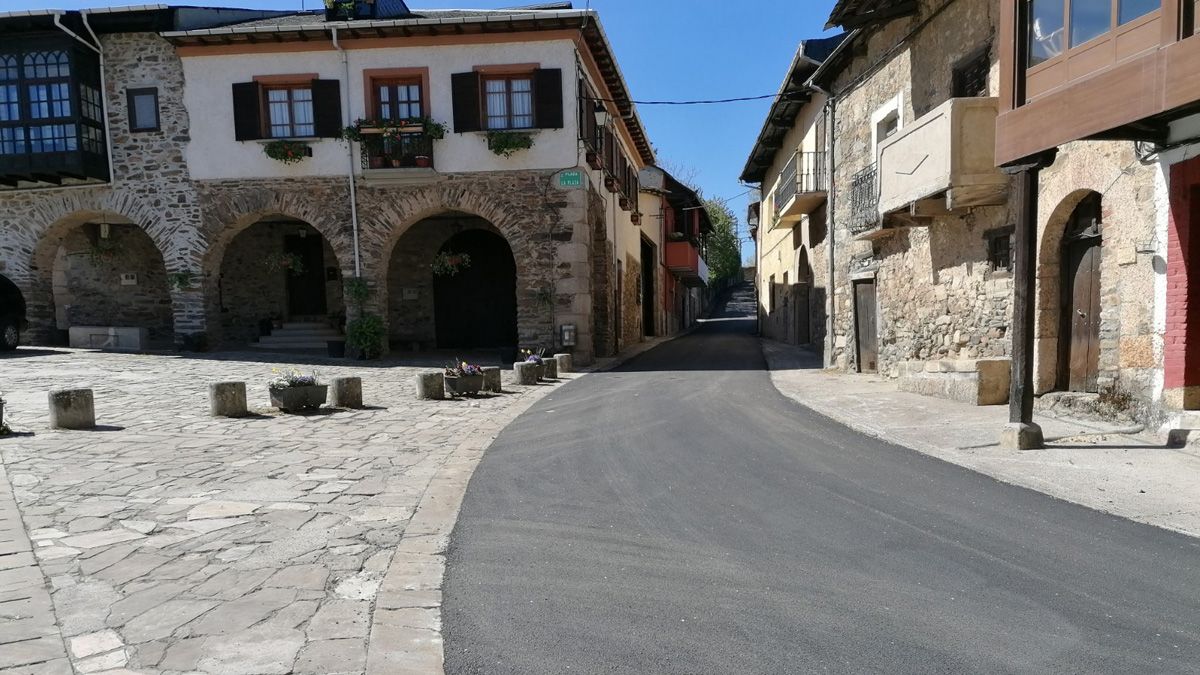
(227, 399)
(430, 386)
(551, 368)
(566, 363)
(525, 372)
(491, 379)
(347, 392)
(72, 409)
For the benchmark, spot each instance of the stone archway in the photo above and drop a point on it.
(1048, 318)
(99, 268)
(469, 302)
(543, 284)
(274, 270)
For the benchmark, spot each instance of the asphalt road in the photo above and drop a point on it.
(678, 515)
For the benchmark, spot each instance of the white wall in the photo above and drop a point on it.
(213, 153)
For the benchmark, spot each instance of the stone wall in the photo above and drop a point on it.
(603, 319)
(1130, 343)
(250, 292)
(631, 302)
(98, 295)
(937, 296)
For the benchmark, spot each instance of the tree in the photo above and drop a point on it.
(724, 248)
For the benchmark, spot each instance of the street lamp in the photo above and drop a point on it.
(602, 115)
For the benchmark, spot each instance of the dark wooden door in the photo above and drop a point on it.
(866, 334)
(477, 307)
(306, 291)
(649, 264)
(800, 294)
(1083, 339)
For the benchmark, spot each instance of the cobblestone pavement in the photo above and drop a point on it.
(172, 542)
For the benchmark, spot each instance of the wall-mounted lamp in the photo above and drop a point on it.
(602, 116)
(302, 233)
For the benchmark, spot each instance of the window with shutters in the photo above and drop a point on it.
(289, 111)
(397, 99)
(281, 108)
(971, 74)
(508, 101)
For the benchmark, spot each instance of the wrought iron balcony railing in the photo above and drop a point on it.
(804, 176)
(864, 199)
(402, 151)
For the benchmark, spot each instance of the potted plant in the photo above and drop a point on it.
(593, 160)
(506, 143)
(290, 262)
(532, 356)
(364, 334)
(612, 184)
(288, 152)
(293, 391)
(448, 263)
(463, 378)
(424, 161)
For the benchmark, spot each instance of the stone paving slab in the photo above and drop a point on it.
(169, 541)
(1101, 466)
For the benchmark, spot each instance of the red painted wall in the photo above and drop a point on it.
(1181, 348)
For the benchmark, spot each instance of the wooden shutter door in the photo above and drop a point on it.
(327, 108)
(865, 326)
(247, 111)
(548, 98)
(465, 89)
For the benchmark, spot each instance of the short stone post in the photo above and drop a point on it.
(491, 379)
(72, 409)
(551, 368)
(565, 362)
(430, 386)
(525, 372)
(227, 399)
(347, 392)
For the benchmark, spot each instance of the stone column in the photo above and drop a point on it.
(191, 321)
(227, 399)
(72, 409)
(1021, 432)
(431, 385)
(347, 392)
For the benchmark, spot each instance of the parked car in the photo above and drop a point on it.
(12, 315)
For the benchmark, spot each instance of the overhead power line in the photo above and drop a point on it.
(699, 102)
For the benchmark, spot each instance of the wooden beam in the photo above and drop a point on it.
(928, 208)
(879, 15)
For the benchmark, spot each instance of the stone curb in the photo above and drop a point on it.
(1052, 471)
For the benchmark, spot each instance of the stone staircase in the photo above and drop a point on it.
(299, 335)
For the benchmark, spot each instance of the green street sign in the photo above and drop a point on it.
(570, 179)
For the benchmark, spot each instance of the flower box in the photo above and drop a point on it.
(624, 203)
(308, 397)
(635, 218)
(464, 384)
(612, 185)
(594, 161)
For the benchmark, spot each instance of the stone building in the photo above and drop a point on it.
(921, 221)
(209, 178)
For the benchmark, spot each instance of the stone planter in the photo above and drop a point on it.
(541, 371)
(464, 384)
(290, 399)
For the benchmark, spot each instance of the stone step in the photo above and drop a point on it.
(290, 346)
(297, 339)
(313, 333)
(304, 325)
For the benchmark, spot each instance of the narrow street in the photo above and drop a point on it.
(678, 515)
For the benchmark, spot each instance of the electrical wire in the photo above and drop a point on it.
(712, 101)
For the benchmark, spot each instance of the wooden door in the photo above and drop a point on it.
(477, 306)
(649, 265)
(306, 291)
(801, 312)
(1079, 325)
(866, 334)
(1083, 346)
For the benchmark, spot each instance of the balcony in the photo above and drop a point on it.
(803, 186)
(397, 158)
(684, 261)
(864, 200)
(943, 161)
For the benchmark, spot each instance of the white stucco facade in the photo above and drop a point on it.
(214, 153)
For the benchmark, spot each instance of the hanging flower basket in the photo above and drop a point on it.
(288, 152)
(287, 262)
(449, 263)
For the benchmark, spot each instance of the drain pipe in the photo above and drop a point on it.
(112, 179)
(831, 222)
(349, 151)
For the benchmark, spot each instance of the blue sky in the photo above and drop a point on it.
(668, 50)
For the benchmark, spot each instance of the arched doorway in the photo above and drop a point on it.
(452, 284)
(12, 314)
(1079, 320)
(476, 306)
(98, 271)
(279, 283)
